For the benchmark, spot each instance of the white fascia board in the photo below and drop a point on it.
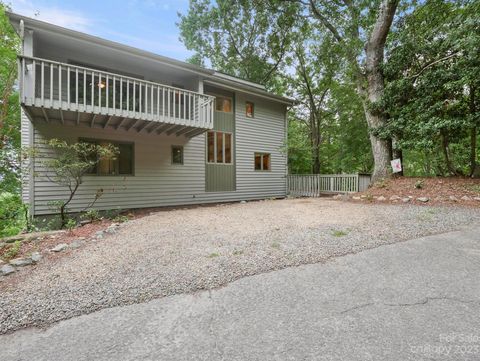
(250, 90)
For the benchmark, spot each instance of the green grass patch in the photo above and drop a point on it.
(275, 245)
(339, 233)
(213, 255)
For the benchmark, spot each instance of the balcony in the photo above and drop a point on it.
(58, 92)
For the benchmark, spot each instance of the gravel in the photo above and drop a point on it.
(184, 250)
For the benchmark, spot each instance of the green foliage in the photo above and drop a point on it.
(70, 224)
(92, 215)
(433, 88)
(419, 184)
(12, 214)
(9, 107)
(339, 233)
(70, 163)
(121, 218)
(13, 250)
(247, 38)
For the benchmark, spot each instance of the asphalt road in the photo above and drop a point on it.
(415, 300)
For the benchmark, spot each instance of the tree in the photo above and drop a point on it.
(362, 29)
(248, 38)
(433, 82)
(69, 165)
(9, 107)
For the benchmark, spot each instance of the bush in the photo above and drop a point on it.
(12, 214)
(91, 215)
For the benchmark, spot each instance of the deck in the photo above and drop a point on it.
(55, 92)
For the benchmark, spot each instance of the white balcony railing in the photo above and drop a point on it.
(49, 84)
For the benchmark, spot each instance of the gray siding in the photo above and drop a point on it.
(159, 183)
(25, 143)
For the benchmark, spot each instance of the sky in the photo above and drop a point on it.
(145, 24)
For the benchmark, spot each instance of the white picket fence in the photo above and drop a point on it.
(312, 185)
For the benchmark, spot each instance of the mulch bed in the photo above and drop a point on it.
(439, 191)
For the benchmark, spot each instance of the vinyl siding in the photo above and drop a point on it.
(25, 143)
(159, 183)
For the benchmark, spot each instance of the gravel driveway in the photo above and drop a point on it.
(185, 250)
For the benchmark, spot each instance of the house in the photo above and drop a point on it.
(186, 134)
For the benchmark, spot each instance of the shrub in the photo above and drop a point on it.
(92, 215)
(419, 184)
(12, 214)
(12, 250)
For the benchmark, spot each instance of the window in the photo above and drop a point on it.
(262, 161)
(219, 147)
(122, 164)
(223, 104)
(249, 109)
(177, 154)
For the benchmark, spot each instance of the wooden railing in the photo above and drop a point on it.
(49, 84)
(312, 185)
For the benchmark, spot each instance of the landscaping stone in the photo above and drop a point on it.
(85, 221)
(466, 198)
(476, 199)
(453, 198)
(76, 244)
(406, 200)
(7, 269)
(111, 229)
(20, 262)
(99, 234)
(381, 199)
(395, 198)
(357, 198)
(59, 247)
(243, 202)
(423, 199)
(36, 257)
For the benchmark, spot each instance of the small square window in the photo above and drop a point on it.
(177, 154)
(223, 104)
(249, 106)
(262, 161)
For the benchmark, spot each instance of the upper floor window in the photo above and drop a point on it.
(249, 109)
(121, 164)
(177, 154)
(262, 161)
(223, 104)
(219, 147)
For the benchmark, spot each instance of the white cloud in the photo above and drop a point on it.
(69, 19)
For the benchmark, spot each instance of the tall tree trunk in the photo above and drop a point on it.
(446, 154)
(375, 84)
(370, 85)
(474, 168)
(316, 156)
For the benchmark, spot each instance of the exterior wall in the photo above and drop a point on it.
(159, 183)
(25, 136)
